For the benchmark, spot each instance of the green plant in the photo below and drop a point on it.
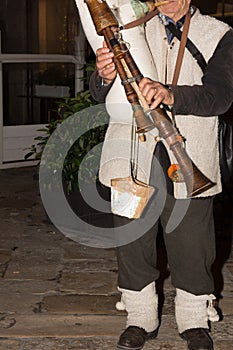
(94, 135)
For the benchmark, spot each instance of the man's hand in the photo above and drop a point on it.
(155, 93)
(105, 65)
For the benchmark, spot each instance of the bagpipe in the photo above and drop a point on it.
(107, 26)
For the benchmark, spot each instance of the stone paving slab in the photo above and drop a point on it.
(77, 251)
(17, 286)
(92, 283)
(80, 304)
(62, 326)
(31, 264)
(93, 265)
(75, 327)
(19, 303)
(40, 238)
(71, 326)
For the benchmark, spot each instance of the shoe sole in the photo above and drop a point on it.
(127, 348)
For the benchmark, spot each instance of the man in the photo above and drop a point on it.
(196, 101)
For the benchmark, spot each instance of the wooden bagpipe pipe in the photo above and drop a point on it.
(106, 25)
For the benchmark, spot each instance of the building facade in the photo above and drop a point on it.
(42, 53)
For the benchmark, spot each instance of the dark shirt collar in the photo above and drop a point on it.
(165, 20)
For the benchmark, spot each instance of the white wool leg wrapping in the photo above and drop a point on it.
(194, 311)
(141, 307)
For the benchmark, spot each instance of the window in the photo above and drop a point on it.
(30, 90)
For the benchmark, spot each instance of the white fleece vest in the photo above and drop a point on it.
(158, 63)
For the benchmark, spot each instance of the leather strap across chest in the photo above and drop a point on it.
(176, 32)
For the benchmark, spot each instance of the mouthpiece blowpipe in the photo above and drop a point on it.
(157, 4)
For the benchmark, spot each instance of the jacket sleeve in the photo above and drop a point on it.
(215, 96)
(97, 89)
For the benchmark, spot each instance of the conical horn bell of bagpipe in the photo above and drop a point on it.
(101, 15)
(196, 182)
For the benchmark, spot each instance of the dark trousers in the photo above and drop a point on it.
(190, 249)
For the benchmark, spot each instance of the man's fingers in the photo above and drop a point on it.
(143, 83)
(147, 89)
(162, 95)
(157, 100)
(104, 62)
(155, 93)
(107, 69)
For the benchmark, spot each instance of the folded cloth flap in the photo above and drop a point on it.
(129, 196)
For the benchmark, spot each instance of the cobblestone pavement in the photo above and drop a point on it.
(56, 294)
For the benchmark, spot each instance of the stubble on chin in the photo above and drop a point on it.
(175, 9)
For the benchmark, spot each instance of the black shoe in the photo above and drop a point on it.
(134, 338)
(198, 339)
